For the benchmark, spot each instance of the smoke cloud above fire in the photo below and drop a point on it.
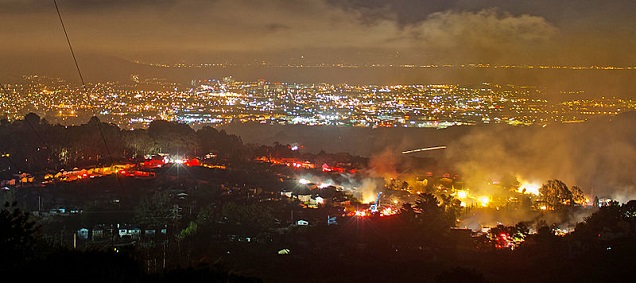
(598, 156)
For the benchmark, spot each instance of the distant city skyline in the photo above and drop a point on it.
(140, 100)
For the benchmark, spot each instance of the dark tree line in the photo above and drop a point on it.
(428, 220)
(34, 145)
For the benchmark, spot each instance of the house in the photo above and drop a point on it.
(49, 177)
(341, 201)
(154, 162)
(286, 193)
(319, 200)
(153, 231)
(82, 233)
(304, 197)
(192, 162)
(331, 220)
(126, 230)
(150, 232)
(9, 182)
(24, 178)
(101, 231)
(64, 211)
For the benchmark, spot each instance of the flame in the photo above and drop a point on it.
(361, 213)
(529, 187)
(462, 194)
(369, 197)
(484, 201)
(388, 211)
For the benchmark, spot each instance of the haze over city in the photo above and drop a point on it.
(113, 39)
(235, 140)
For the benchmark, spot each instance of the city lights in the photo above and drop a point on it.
(219, 102)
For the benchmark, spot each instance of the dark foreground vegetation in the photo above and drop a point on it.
(393, 249)
(233, 225)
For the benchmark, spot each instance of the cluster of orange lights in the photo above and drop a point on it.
(387, 211)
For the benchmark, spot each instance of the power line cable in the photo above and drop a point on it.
(79, 72)
(59, 15)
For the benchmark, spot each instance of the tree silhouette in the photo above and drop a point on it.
(18, 237)
(432, 220)
(578, 198)
(139, 143)
(154, 210)
(172, 137)
(555, 194)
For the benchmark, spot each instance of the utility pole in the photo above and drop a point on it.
(164, 255)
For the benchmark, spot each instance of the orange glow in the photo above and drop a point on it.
(361, 213)
(388, 211)
(484, 201)
(528, 187)
(462, 194)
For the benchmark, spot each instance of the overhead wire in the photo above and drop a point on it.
(59, 15)
(79, 72)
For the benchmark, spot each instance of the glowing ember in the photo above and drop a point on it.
(361, 213)
(388, 211)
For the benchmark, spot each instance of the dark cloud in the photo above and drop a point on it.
(494, 31)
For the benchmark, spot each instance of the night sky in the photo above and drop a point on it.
(351, 31)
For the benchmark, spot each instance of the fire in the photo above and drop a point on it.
(388, 211)
(462, 194)
(368, 197)
(484, 201)
(361, 213)
(529, 188)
